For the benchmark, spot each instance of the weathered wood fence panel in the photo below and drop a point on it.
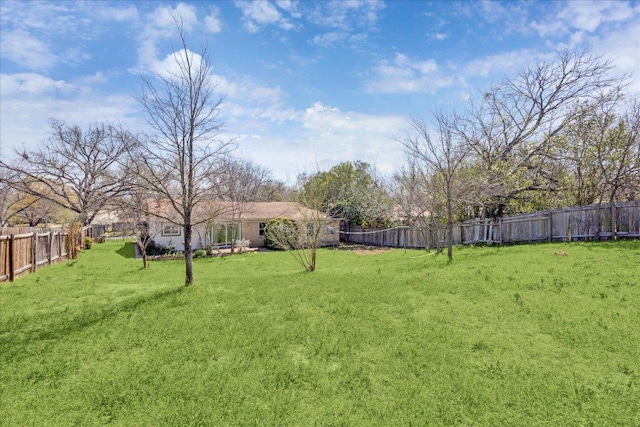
(24, 250)
(564, 224)
(5, 259)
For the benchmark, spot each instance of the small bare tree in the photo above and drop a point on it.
(133, 208)
(301, 236)
(417, 203)
(302, 232)
(179, 163)
(440, 157)
(240, 184)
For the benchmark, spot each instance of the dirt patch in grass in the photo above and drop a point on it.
(364, 250)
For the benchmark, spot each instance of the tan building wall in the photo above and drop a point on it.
(251, 232)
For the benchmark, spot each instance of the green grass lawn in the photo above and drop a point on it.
(502, 336)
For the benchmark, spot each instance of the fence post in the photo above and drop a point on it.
(12, 275)
(34, 252)
(549, 228)
(50, 255)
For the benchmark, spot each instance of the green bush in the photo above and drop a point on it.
(153, 250)
(199, 253)
(280, 233)
(88, 241)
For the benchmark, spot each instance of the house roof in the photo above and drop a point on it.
(254, 211)
(267, 210)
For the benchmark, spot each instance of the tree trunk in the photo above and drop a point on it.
(450, 240)
(188, 255)
(312, 265)
(142, 247)
(449, 223)
(613, 215)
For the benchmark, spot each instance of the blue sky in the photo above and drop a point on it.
(306, 84)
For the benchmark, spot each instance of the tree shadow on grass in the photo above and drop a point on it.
(128, 250)
(83, 320)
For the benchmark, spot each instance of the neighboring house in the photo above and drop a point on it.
(235, 224)
(106, 216)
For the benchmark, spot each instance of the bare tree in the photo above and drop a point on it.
(512, 128)
(301, 235)
(274, 190)
(616, 150)
(34, 210)
(76, 170)
(181, 159)
(417, 203)
(240, 185)
(10, 198)
(439, 158)
(134, 213)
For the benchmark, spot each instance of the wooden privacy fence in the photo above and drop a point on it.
(25, 250)
(563, 224)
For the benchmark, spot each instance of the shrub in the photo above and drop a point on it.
(241, 243)
(280, 233)
(152, 249)
(73, 243)
(88, 241)
(199, 253)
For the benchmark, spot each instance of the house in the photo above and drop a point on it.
(235, 223)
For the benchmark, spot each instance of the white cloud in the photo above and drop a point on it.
(161, 25)
(611, 28)
(583, 17)
(437, 36)
(320, 137)
(21, 84)
(257, 14)
(98, 77)
(330, 38)
(259, 118)
(547, 27)
(212, 21)
(290, 6)
(404, 74)
(30, 100)
(163, 17)
(354, 136)
(503, 64)
(174, 63)
(22, 48)
(589, 15)
(625, 57)
(244, 90)
(347, 14)
(129, 13)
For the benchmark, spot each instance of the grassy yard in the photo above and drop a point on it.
(502, 336)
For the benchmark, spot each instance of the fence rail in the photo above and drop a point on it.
(622, 220)
(24, 250)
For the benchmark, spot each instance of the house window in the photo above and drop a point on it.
(171, 230)
(261, 226)
(225, 233)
